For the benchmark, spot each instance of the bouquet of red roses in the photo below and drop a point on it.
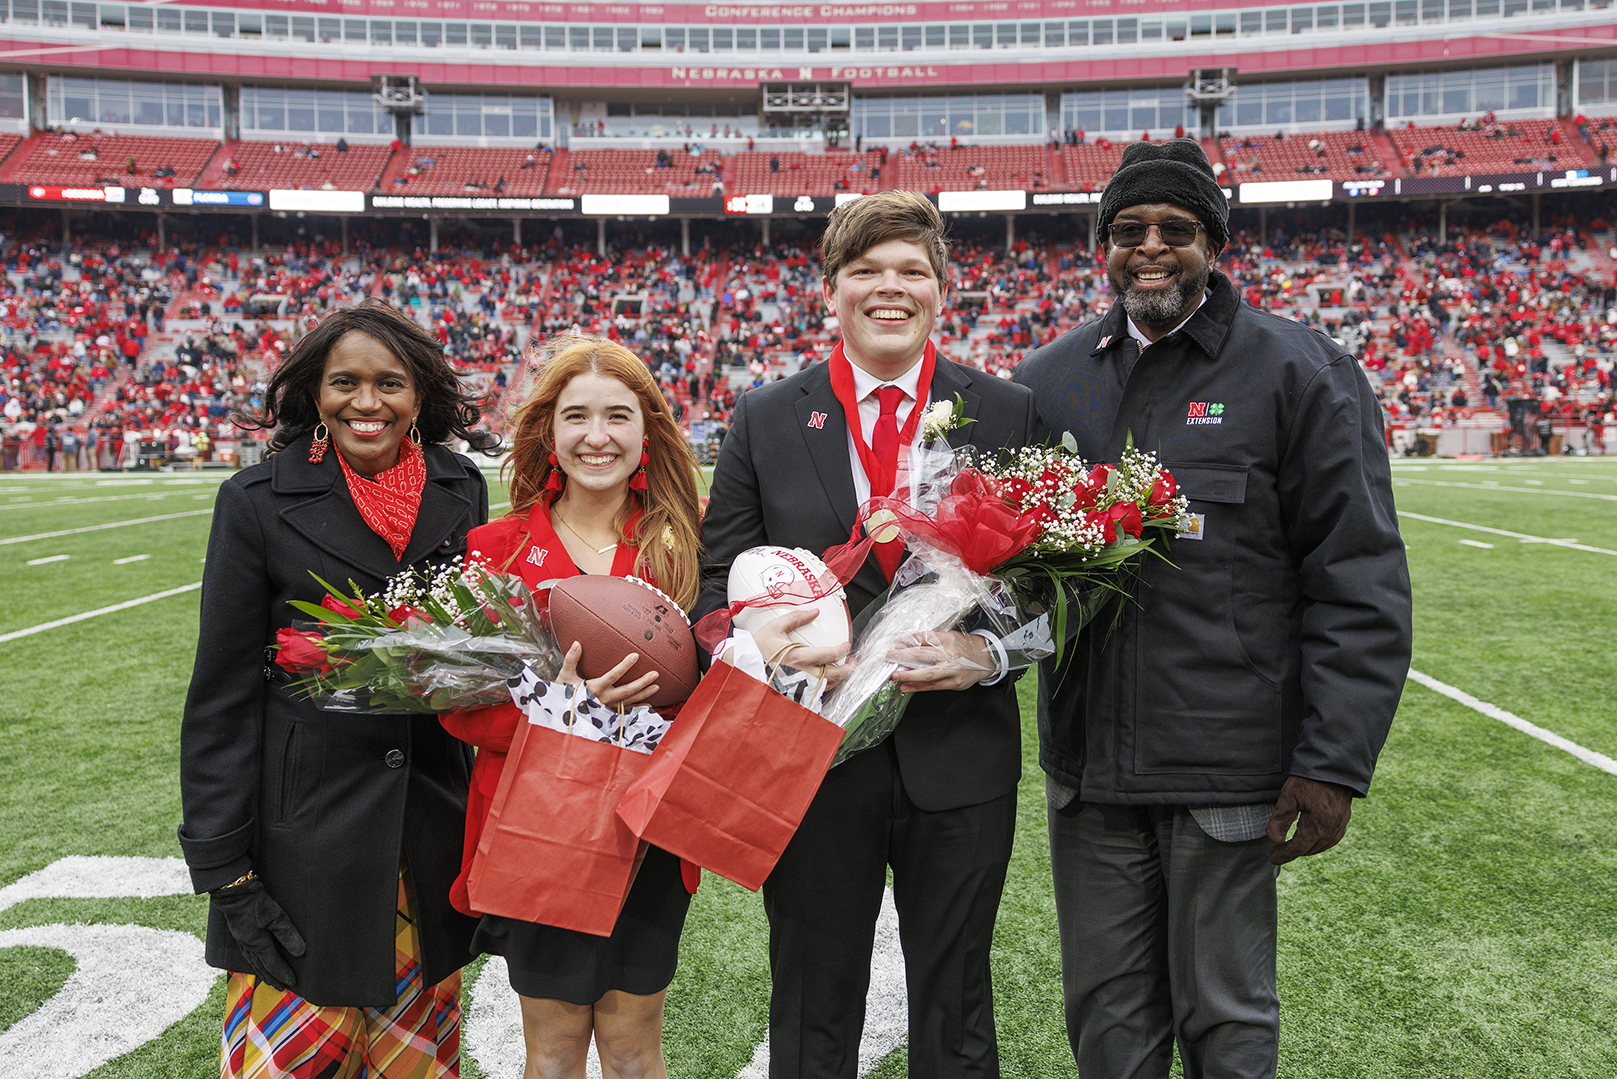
(448, 643)
(1037, 540)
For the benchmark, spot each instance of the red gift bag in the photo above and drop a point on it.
(731, 780)
(553, 851)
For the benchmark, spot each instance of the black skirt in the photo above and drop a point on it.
(580, 968)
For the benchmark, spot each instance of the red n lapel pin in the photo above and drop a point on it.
(817, 421)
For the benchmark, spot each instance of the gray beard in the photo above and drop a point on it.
(1161, 310)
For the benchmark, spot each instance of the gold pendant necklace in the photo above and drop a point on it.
(581, 539)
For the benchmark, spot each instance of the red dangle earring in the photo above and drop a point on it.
(557, 479)
(322, 439)
(637, 482)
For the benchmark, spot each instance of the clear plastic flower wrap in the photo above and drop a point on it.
(455, 642)
(935, 593)
(1035, 543)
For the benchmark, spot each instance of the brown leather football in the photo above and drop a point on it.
(613, 616)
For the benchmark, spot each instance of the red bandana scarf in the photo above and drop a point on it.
(389, 503)
(883, 475)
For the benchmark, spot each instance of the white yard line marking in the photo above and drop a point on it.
(144, 557)
(124, 606)
(29, 504)
(1520, 490)
(1524, 537)
(1478, 543)
(49, 558)
(1535, 483)
(97, 528)
(1493, 711)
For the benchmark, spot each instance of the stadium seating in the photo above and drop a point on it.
(1089, 166)
(974, 168)
(1507, 146)
(85, 160)
(466, 170)
(8, 142)
(1335, 155)
(635, 172)
(804, 174)
(262, 166)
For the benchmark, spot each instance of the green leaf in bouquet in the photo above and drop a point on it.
(1069, 443)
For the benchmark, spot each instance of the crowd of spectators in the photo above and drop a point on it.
(121, 345)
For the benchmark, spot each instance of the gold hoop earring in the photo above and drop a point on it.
(322, 439)
(415, 432)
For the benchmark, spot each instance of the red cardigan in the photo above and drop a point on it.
(492, 729)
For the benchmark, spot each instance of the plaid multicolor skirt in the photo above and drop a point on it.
(275, 1034)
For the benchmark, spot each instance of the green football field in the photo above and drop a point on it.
(1466, 927)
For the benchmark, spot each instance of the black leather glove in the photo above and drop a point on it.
(257, 922)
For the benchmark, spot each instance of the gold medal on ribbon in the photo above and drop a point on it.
(883, 525)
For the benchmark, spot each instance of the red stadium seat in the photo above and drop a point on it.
(467, 170)
(263, 166)
(94, 159)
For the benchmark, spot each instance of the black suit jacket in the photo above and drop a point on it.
(312, 800)
(783, 480)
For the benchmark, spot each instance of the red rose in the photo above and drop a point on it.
(1103, 521)
(1017, 489)
(332, 603)
(1164, 491)
(405, 615)
(300, 651)
(1099, 474)
(1127, 516)
(1085, 496)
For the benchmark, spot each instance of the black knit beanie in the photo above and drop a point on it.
(1175, 171)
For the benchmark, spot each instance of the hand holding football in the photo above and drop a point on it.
(611, 617)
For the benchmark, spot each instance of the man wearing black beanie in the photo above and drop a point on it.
(1251, 681)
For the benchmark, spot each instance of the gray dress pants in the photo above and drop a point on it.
(1166, 935)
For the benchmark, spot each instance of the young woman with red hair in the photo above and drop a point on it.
(601, 481)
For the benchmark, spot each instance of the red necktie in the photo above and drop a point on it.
(884, 446)
(884, 441)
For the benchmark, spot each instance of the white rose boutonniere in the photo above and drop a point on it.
(942, 417)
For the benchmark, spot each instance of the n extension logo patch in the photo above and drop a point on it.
(1205, 412)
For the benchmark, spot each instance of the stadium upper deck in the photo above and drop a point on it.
(686, 108)
(867, 45)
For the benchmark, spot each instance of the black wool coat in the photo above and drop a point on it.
(324, 806)
(784, 477)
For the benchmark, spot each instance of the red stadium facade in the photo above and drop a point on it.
(510, 109)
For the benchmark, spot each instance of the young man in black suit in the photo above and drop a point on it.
(936, 801)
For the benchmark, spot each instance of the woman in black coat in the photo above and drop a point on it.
(328, 841)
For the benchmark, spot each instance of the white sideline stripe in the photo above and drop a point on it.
(124, 606)
(144, 557)
(49, 558)
(1524, 537)
(30, 504)
(97, 528)
(1477, 543)
(1517, 490)
(1493, 711)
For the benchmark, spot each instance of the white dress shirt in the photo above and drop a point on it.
(865, 386)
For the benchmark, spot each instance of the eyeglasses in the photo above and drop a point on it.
(1173, 233)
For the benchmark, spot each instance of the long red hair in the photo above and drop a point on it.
(668, 529)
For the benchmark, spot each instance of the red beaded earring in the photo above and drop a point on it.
(322, 439)
(637, 482)
(557, 479)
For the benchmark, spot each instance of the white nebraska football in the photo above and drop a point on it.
(756, 570)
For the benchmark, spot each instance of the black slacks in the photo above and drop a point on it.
(823, 900)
